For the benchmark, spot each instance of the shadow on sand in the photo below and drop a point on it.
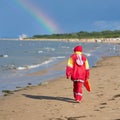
(50, 98)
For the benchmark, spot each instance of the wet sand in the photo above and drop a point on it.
(53, 100)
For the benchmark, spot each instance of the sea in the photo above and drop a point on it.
(18, 58)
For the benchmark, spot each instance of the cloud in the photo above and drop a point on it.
(107, 25)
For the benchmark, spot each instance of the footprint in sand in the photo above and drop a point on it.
(103, 105)
(75, 118)
(116, 96)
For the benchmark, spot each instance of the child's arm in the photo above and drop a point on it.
(69, 68)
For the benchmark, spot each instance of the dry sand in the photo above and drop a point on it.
(54, 100)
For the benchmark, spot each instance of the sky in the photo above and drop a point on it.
(38, 17)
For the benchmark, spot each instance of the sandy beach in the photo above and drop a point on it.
(53, 100)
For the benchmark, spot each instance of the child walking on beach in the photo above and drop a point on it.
(77, 70)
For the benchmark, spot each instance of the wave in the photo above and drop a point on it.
(40, 51)
(49, 49)
(4, 56)
(65, 47)
(87, 54)
(52, 59)
(58, 57)
(27, 67)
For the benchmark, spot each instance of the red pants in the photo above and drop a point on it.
(77, 90)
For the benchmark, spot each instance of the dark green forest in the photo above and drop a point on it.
(81, 35)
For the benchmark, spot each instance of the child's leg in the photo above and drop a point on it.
(77, 90)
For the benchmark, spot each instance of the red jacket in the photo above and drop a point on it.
(77, 67)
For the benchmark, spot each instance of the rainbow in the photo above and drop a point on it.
(44, 22)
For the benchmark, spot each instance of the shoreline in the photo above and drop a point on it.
(87, 40)
(54, 100)
(94, 40)
(34, 77)
(38, 74)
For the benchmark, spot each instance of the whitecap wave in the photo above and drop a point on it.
(52, 59)
(40, 51)
(27, 67)
(65, 47)
(50, 49)
(87, 54)
(4, 56)
(58, 57)
(22, 68)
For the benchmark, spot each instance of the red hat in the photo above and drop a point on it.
(78, 48)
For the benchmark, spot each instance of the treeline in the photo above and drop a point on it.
(82, 34)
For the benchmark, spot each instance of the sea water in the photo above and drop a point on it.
(19, 58)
